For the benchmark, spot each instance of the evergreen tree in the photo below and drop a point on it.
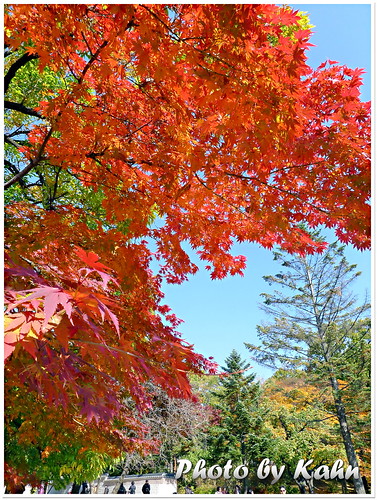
(315, 317)
(237, 434)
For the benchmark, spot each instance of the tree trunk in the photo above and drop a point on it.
(346, 435)
(310, 483)
(344, 486)
(366, 485)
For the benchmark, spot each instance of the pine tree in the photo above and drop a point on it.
(314, 318)
(237, 432)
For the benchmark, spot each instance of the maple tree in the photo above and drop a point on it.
(65, 344)
(205, 119)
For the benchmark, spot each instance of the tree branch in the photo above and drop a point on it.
(21, 108)
(91, 60)
(285, 191)
(18, 132)
(10, 165)
(56, 182)
(184, 40)
(307, 424)
(31, 165)
(221, 197)
(12, 142)
(14, 170)
(16, 66)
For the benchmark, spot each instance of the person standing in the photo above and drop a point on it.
(146, 489)
(122, 490)
(41, 488)
(132, 488)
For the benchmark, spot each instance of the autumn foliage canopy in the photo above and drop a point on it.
(196, 125)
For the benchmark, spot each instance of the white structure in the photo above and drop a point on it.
(161, 484)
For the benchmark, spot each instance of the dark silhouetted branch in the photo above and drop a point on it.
(21, 108)
(31, 165)
(16, 66)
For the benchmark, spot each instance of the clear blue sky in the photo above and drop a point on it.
(222, 315)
